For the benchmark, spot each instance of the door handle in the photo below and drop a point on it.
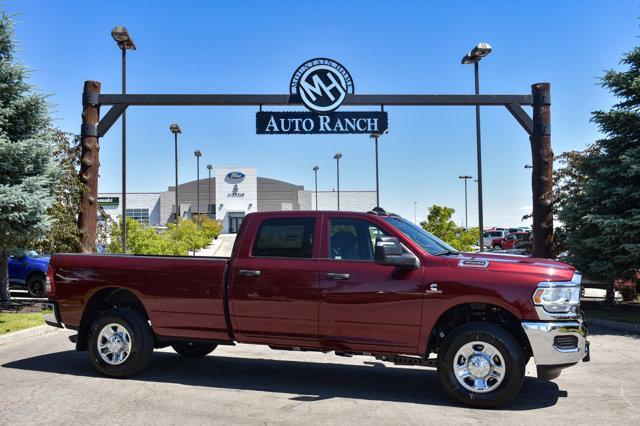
(335, 276)
(248, 273)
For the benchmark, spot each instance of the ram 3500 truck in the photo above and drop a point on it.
(354, 283)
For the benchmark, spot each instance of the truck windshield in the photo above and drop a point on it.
(430, 243)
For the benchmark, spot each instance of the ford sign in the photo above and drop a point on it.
(234, 177)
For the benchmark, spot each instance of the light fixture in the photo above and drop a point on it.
(175, 128)
(480, 51)
(122, 37)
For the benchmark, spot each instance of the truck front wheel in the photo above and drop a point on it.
(36, 285)
(120, 342)
(481, 365)
(193, 349)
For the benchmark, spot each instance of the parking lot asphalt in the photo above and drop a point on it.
(45, 381)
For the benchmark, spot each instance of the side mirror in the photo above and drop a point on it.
(389, 252)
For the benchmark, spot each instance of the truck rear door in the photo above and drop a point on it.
(274, 281)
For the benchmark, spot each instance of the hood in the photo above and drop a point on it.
(44, 260)
(535, 269)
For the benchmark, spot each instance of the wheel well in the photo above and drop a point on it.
(462, 314)
(32, 273)
(102, 300)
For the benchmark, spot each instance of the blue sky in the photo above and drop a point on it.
(388, 47)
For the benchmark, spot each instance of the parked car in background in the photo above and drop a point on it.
(488, 237)
(28, 270)
(519, 229)
(509, 242)
(590, 294)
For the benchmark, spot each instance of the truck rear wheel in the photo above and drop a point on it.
(120, 342)
(193, 349)
(481, 365)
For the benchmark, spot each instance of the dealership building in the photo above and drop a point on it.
(229, 196)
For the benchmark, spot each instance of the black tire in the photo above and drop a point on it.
(37, 286)
(497, 247)
(193, 349)
(514, 360)
(141, 342)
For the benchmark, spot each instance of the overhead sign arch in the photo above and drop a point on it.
(323, 85)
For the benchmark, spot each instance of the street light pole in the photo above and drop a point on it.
(466, 217)
(415, 212)
(209, 167)
(375, 136)
(315, 171)
(473, 57)
(125, 42)
(337, 157)
(175, 129)
(198, 154)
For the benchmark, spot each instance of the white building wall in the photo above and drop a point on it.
(356, 201)
(239, 196)
(135, 200)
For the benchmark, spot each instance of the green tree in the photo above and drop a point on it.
(440, 224)
(64, 235)
(598, 194)
(141, 239)
(27, 175)
(176, 240)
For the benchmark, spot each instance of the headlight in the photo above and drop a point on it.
(558, 297)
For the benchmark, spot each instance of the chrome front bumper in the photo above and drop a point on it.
(542, 338)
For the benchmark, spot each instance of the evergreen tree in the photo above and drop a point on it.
(599, 191)
(26, 169)
(64, 235)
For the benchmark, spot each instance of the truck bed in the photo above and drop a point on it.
(183, 296)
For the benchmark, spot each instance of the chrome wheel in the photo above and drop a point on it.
(479, 367)
(114, 344)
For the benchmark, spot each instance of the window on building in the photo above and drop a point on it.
(141, 215)
(353, 239)
(211, 210)
(285, 237)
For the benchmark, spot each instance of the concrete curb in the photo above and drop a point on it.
(616, 325)
(20, 335)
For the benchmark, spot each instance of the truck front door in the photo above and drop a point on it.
(274, 282)
(365, 306)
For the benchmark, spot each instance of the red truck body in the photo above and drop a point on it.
(509, 242)
(316, 303)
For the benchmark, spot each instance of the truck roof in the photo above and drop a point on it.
(376, 211)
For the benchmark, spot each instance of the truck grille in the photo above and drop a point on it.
(566, 342)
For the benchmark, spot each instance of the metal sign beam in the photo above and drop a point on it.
(537, 127)
(288, 100)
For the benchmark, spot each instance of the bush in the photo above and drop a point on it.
(210, 227)
(176, 240)
(627, 288)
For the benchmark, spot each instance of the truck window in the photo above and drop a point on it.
(285, 237)
(352, 239)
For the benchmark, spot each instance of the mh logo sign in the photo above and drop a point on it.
(322, 84)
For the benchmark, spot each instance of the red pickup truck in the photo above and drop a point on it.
(509, 242)
(355, 283)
